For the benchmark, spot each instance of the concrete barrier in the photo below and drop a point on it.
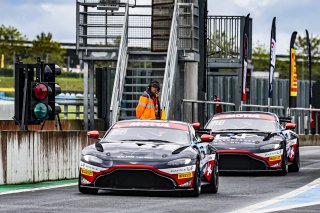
(309, 140)
(28, 157)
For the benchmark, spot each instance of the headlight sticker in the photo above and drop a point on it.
(269, 154)
(87, 166)
(179, 170)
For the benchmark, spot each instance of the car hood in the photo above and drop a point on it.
(245, 141)
(141, 151)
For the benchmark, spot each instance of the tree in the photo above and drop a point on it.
(261, 57)
(11, 43)
(47, 49)
(302, 49)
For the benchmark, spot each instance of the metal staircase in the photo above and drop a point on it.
(137, 68)
(143, 67)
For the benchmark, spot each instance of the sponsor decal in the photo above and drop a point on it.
(179, 170)
(269, 154)
(152, 124)
(185, 175)
(86, 172)
(294, 76)
(90, 167)
(245, 115)
(134, 157)
(275, 158)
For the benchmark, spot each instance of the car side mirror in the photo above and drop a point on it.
(290, 126)
(93, 134)
(206, 138)
(196, 125)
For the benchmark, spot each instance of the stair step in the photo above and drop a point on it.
(128, 109)
(132, 93)
(136, 85)
(127, 117)
(143, 77)
(130, 101)
(146, 61)
(146, 53)
(146, 69)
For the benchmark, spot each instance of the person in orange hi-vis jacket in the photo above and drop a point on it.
(149, 105)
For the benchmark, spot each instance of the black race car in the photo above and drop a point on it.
(253, 142)
(147, 155)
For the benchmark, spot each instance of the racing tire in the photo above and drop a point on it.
(213, 186)
(284, 163)
(295, 166)
(87, 190)
(196, 189)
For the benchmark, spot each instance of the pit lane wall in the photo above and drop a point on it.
(34, 156)
(309, 140)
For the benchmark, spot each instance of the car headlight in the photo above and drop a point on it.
(271, 147)
(178, 162)
(91, 158)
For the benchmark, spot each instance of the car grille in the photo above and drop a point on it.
(134, 179)
(240, 162)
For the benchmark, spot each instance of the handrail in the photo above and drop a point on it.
(171, 62)
(120, 71)
(208, 102)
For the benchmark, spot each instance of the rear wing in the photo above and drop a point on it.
(285, 119)
(200, 132)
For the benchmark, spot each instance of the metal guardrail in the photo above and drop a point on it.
(171, 62)
(120, 71)
(303, 117)
(208, 108)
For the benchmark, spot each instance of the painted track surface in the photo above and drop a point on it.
(235, 194)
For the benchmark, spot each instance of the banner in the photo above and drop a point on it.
(2, 61)
(293, 90)
(309, 65)
(245, 50)
(272, 56)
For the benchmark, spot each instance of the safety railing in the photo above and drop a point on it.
(209, 110)
(307, 120)
(171, 63)
(120, 71)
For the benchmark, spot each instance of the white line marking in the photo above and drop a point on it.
(37, 189)
(254, 208)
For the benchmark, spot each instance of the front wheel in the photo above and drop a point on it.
(213, 186)
(295, 166)
(196, 189)
(86, 190)
(284, 163)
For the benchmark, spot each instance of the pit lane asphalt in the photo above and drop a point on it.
(235, 192)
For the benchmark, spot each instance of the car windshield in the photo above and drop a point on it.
(245, 124)
(148, 134)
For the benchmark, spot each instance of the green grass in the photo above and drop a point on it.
(71, 109)
(6, 82)
(70, 84)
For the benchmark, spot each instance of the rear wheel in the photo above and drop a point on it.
(213, 186)
(295, 166)
(86, 190)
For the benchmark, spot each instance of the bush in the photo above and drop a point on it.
(6, 72)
